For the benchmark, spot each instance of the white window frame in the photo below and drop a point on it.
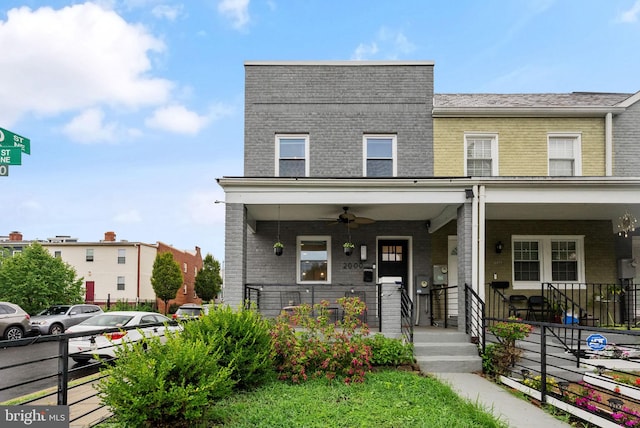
(394, 151)
(493, 136)
(577, 150)
(299, 240)
(89, 255)
(122, 256)
(121, 283)
(544, 248)
(304, 137)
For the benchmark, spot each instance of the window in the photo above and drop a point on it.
(564, 155)
(314, 259)
(184, 267)
(481, 155)
(391, 253)
(121, 283)
(57, 254)
(380, 156)
(121, 256)
(89, 255)
(292, 155)
(539, 259)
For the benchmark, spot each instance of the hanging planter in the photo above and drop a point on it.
(278, 247)
(348, 248)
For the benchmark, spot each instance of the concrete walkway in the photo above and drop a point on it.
(516, 412)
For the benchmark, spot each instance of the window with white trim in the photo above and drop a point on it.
(292, 155)
(313, 259)
(380, 156)
(538, 259)
(481, 155)
(565, 155)
(121, 283)
(89, 255)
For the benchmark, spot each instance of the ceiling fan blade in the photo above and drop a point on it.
(345, 216)
(364, 220)
(352, 225)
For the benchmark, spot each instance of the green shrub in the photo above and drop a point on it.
(386, 351)
(244, 339)
(168, 385)
(308, 346)
(505, 353)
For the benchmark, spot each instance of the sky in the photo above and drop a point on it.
(133, 108)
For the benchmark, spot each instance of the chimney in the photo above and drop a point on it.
(15, 236)
(110, 236)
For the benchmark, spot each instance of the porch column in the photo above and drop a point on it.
(235, 254)
(391, 312)
(465, 252)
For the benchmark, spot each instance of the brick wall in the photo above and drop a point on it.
(193, 263)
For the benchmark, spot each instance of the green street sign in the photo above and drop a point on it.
(9, 139)
(10, 156)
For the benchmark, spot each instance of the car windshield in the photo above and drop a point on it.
(109, 320)
(189, 311)
(55, 310)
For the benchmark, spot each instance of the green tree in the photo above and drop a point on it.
(166, 277)
(208, 281)
(34, 279)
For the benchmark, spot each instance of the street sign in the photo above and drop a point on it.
(11, 155)
(4, 170)
(596, 342)
(9, 139)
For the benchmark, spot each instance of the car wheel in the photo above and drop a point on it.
(56, 329)
(13, 333)
(80, 360)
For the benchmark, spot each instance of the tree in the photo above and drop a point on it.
(34, 279)
(208, 281)
(166, 277)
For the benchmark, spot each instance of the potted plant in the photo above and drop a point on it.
(277, 248)
(348, 248)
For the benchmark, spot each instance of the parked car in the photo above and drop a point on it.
(189, 311)
(134, 326)
(57, 318)
(14, 321)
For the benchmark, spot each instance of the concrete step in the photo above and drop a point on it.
(439, 336)
(444, 348)
(450, 364)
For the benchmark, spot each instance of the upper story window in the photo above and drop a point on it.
(184, 267)
(539, 259)
(481, 155)
(57, 254)
(292, 155)
(380, 156)
(89, 255)
(120, 283)
(565, 155)
(314, 259)
(122, 253)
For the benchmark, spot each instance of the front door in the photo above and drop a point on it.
(393, 259)
(89, 291)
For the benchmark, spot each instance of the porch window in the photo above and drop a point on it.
(380, 156)
(481, 155)
(314, 259)
(564, 155)
(292, 155)
(538, 259)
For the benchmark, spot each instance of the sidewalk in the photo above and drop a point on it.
(516, 412)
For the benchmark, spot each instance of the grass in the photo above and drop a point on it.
(388, 398)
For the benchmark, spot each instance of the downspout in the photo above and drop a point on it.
(482, 225)
(608, 144)
(138, 274)
(474, 241)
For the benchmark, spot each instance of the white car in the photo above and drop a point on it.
(133, 324)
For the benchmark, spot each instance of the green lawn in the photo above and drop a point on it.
(387, 399)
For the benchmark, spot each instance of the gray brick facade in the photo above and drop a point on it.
(626, 150)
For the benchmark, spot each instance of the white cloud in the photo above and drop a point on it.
(631, 15)
(388, 44)
(236, 10)
(177, 119)
(80, 56)
(167, 12)
(89, 127)
(130, 216)
(203, 210)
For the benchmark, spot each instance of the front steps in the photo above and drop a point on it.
(439, 350)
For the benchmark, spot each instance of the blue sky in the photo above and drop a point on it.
(135, 107)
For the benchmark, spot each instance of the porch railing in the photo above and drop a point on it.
(406, 317)
(475, 320)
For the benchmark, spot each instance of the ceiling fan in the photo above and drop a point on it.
(351, 220)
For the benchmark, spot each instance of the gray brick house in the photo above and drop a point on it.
(432, 190)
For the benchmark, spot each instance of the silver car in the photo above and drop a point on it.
(14, 321)
(56, 319)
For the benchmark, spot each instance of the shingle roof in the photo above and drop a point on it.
(574, 99)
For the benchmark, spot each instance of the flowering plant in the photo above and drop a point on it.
(348, 245)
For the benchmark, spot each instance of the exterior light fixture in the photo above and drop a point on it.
(626, 224)
(499, 247)
(468, 193)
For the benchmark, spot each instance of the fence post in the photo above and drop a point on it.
(63, 369)
(543, 364)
